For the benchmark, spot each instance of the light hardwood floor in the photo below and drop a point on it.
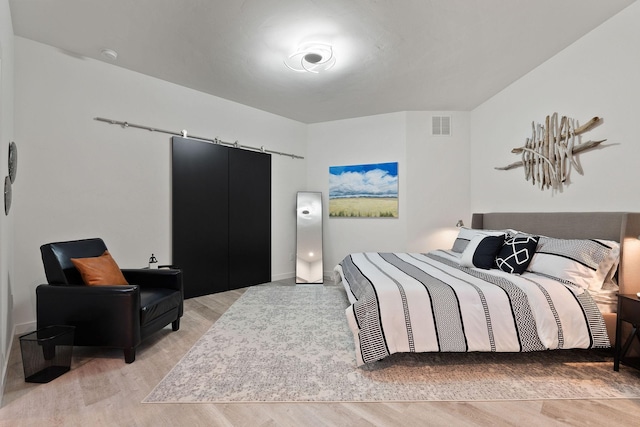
(101, 390)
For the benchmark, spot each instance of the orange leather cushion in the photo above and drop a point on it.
(101, 270)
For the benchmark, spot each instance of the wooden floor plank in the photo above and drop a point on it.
(101, 389)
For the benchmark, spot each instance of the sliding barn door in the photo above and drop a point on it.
(221, 216)
(249, 218)
(200, 215)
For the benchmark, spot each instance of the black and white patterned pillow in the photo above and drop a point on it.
(585, 263)
(516, 253)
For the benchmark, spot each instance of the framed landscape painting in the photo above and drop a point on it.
(364, 191)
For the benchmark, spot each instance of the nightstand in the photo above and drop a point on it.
(628, 311)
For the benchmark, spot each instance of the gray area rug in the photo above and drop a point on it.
(292, 344)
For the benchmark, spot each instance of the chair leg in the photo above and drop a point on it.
(175, 325)
(129, 355)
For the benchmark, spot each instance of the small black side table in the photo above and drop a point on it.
(628, 311)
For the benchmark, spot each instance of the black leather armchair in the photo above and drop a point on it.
(106, 316)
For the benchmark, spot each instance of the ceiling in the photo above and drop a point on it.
(431, 55)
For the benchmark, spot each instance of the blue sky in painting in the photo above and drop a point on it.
(370, 180)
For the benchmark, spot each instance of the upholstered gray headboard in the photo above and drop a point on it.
(623, 227)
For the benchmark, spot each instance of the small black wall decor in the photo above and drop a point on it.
(7, 194)
(10, 179)
(13, 161)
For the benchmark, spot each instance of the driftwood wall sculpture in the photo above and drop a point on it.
(548, 155)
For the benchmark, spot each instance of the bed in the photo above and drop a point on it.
(451, 300)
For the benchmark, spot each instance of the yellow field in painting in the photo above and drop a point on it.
(367, 207)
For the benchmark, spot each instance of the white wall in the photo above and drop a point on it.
(599, 75)
(309, 271)
(7, 280)
(373, 139)
(315, 270)
(428, 168)
(83, 178)
(437, 180)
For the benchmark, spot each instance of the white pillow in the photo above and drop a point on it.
(466, 234)
(585, 263)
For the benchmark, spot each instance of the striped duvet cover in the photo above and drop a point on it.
(410, 302)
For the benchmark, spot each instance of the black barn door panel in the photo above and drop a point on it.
(249, 218)
(221, 216)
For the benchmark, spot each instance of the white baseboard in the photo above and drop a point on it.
(24, 328)
(283, 276)
(3, 377)
(5, 365)
(328, 275)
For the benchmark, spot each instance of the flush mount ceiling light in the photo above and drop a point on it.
(312, 58)
(110, 54)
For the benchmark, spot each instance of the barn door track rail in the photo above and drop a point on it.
(183, 133)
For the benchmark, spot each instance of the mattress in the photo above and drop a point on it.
(413, 302)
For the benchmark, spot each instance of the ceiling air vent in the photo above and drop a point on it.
(441, 125)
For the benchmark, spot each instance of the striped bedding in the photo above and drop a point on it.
(410, 302)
